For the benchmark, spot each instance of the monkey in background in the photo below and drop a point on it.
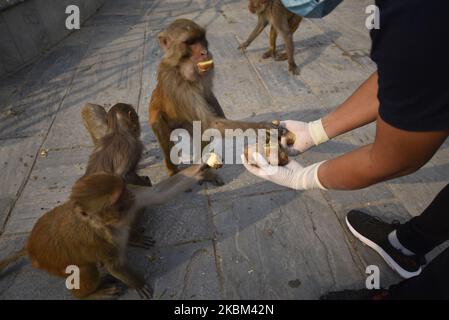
(183, 93)
(92, 229)
(282, 22)
(116, 138)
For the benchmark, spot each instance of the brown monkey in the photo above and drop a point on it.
(106, 136)
(282, 22)
(92, 229)
(183, 93)
(116, 137)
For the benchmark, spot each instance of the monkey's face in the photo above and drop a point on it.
(198, 49)
(185, 45)
(257, 6)
(199, 60)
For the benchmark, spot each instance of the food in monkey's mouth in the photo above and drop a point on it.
(280, 160)
(214, 161)
(205, 65)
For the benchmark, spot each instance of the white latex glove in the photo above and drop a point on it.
(308, 134)
(292, 175)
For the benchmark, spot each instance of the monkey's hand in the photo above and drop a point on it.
(293, 175)
(243, 46)
(306, 134)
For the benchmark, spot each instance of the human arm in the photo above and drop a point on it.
(358, 110)
(393, 154)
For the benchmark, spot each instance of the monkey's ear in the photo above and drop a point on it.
(115, 196)
(164, 40)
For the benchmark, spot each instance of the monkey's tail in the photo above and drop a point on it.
(12, 258)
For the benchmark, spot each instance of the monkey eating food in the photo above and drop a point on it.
(282, 22)
(274, 153)
(183, 93)
(92, 229)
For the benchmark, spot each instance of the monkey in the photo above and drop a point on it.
(183, 92)
(282, 22)
(116, 138)
(91, 229)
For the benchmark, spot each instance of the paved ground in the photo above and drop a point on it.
(248, 239)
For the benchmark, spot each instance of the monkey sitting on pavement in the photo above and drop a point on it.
(183, 93)
(116, 137)
(92, 229)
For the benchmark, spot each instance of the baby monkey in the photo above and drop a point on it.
(92, 229)
(282, 22)
(116, 137)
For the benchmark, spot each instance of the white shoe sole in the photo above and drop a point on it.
(403, 273)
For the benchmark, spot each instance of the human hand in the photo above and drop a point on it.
(293, 175)
(307, 135)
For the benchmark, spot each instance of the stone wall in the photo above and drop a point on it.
(29, 27)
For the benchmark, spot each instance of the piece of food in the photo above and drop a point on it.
(214, 161)
(279, 159)
(290, 138)
(282, 157)
(43, 153)
(205, 65)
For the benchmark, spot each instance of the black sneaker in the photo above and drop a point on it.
(374, 233)
(363, 294)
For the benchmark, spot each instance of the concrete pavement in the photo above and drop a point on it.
(248, 239)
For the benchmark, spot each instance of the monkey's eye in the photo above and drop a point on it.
(191, 41)
(195, 40)
(84, 213)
